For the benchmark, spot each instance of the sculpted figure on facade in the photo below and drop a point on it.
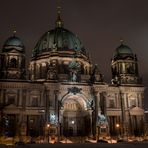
(52, 118)
(102, 120)
(74, 68)
(96, 75)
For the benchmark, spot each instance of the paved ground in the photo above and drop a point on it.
(85, 145)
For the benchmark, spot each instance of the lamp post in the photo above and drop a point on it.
(59, 124)
(48, 128)
(117, 127)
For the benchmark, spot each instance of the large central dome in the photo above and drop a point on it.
(58, 39)
(60, 55)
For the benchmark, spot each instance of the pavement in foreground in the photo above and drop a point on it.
(83, 145)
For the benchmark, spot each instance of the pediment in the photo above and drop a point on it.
(136, 111)
(10, 106)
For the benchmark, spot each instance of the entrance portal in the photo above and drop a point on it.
(76, 123)
(76, 119)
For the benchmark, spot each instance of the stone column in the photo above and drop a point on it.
(42, 102)
(124, 124)
(1, 96)
(61, 121)
(57, 112)
(27, 97)
(97, 109)
(90, 115)
(103, 103)
(19, 98)
(56, 105)
(47, 113)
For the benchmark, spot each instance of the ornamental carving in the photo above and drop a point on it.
(52, 72)
(74, 90)
(96, 76)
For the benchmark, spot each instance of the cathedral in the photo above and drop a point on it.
(61, 93)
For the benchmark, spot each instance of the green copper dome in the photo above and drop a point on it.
(13, 42)
(58, 39)
(123, 50)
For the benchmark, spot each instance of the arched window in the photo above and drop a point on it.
(13, 63)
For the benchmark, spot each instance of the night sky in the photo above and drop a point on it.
(100, 24)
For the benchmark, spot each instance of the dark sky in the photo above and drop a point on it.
(100, 24)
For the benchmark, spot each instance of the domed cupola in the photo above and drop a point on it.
(54, 52)
(58, 39)
(124, 66)
(123, 51)
(13, 59)
(13, 42)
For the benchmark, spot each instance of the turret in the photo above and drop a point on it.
(13, 59)
(124, 66)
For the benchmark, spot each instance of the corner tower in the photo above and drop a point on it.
(12, 59)
(124, 66)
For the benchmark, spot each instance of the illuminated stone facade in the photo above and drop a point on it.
(62, 88)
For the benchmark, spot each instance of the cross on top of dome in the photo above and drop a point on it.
(59, 21)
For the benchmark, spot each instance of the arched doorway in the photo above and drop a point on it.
(76, 120)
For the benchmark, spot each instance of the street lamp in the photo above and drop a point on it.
(117, 126)
(48, 127)
(72, 122)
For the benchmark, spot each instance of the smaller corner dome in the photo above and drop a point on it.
(13, 42)
(123, 50)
